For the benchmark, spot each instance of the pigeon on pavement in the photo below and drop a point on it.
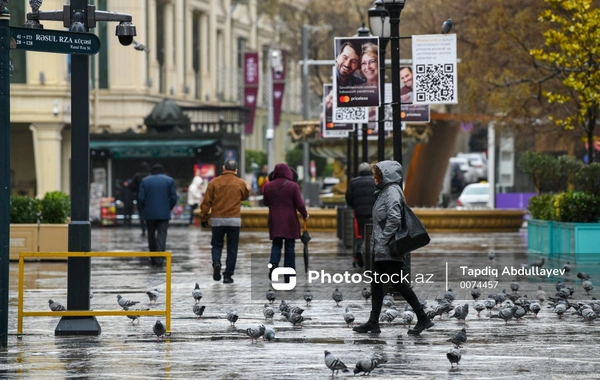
(588, 315)
(567, 267)
(514, 286)
(198, 310)
(458, 338)
(449, 295)
(293, 318)
(461, 312)
(255, 332)
(337, 297)
(560, 309)
(407, 317)
(583, 276)
(134, 317)
(540, 294)
(389, 315)
(388, 300)
(453, 356)
(479, 307)
(587, 286)
(308, 297)
(366, 365)
(519, 312)
(348, 317)
(196, 293)
(535, 308)
(153, 295)
(269, 334)
(366, 294)
(232, 317)
(268, 312)
(270, 295)
(55, 306)
(283, 306)
(538, 263)
(491, 255)
(475, 293)
(489, 305)
(125, 302)
(334, 364)
(159, 329)
(506, 314)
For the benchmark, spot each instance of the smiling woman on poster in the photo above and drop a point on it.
(369, 67)
(349, 81)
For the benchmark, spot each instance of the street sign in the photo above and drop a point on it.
(54, 41)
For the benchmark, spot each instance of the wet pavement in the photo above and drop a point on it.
(209, 348)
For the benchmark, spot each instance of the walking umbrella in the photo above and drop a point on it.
(305, 238)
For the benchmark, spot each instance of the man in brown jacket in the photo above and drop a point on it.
(222, 199)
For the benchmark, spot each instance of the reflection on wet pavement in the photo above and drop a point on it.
(209, 348)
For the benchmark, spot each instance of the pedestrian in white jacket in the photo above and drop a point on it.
(194, 196)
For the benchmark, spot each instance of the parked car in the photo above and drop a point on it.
(478, 161)
(328, 183)
(468, 171)
(475, 195)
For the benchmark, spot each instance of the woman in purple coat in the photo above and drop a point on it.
(282, 196)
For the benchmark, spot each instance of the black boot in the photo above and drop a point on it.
(217, 271)
(423, 322)
(227, 278)
(372, 326)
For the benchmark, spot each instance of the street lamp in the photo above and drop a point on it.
(380, 26)
(394, 8)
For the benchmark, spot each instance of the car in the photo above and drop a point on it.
(478, 161)
(469, 172)
(475, 195)
(328, 184)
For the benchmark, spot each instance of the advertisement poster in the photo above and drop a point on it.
(329, 129)
(251, 77)
(434, 69)
(356, 78)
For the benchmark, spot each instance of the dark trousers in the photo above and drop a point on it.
(142, 218)
(157, 238)
(290, 256)
(391, 267)
(217, 242)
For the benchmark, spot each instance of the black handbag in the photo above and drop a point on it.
(411, 235)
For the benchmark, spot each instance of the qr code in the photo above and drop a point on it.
(357, 114)
(434, 83)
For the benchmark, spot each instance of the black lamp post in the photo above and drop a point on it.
(380, 26)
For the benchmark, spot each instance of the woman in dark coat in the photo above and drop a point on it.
(282, 196)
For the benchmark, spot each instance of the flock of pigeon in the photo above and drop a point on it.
(509, 306)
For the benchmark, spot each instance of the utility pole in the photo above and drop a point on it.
(305, 112)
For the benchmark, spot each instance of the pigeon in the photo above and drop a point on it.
(519, 312)
(535, 308)
(232, 317)
(475, 293)
(268, 312)
(308, 297)
(269, 334)
(125, 302)
(583, 276)
(560, 309)
(540, 294)
(389, 315)
(295, 310)
(459, 337)
(538, 263)
(337, 297)
(506, 314)
(491, 255)
(559, 285)
(567, 267)
(366, 365)
(153, 295)
(514, 286)
(134, 317)
(159, 329)
(489, 305)
(588, 315)
(447, 26)
(366, 294)
(140, 47)
(293, 318)
(449, 295)
(196, 293)
(255, 332)
(198, 310)
(587, 286)
(563, 293)
(270, 295)
(461, 312)
(334, 364)
(348, 317)
(283, 306)
(453, 356)
(55, 306)
(479, 307)
(388, 300)
(407, 317)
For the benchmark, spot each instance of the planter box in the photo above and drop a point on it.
(38, 238)
(577, 242)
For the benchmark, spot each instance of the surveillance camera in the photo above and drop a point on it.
(125, 32)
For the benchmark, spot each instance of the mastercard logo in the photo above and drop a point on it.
(344, 99)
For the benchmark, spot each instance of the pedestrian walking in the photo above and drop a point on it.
(194, 195)
(282, 196)
(127, 199)
(222, 200)
(135, 188)
(157, 197)
(360, 196)
(387, 214)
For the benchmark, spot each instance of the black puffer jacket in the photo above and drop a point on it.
(361, 194)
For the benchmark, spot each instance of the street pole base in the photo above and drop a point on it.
(69, 326)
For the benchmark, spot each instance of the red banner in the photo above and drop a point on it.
(278, 89)
(250, 88)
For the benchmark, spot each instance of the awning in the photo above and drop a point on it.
(151, 148)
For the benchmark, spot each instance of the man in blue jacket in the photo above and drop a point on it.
(157, 197)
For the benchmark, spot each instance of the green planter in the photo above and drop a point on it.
(575, 242)
(540, 237)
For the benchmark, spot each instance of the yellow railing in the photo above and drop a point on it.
(90, 313)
